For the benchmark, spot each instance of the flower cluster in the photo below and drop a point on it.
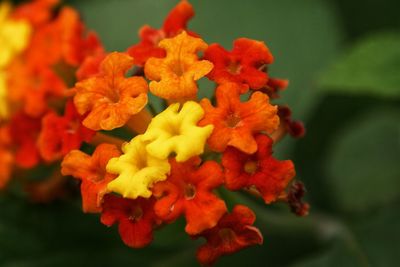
(62, 96)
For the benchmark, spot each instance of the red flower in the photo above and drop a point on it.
(136, 219)
(260, 170)
(236, 122)
(60, 135)
(6, 156)
(243, 65)
(62, 40)
(294, 128)
(90, 67)
(91, 170)
(233, 233)
(24, 132)
(188, 191)
(174, 23)
(36, 12)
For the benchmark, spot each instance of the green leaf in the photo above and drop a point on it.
(370, 67)
(338, 254)
(363, 166)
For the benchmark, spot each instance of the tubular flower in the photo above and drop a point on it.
(24, 133)
(236, 122)
(109, 99)
(233, 233)
(6, 157)
(137, 170)
(260, 170)
(176, 130)
(14, 35)
(59, 135)
(136, 219)
(242, 65)
(34, 92)
(174, 23)
(61, 40)
(91, 170)
(90, 67)
(174, 77)
(37, 12)
(188, 191)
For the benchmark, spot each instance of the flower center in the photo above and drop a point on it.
(234, 68)
(227, 234)
(178, 68)
(251, 167)
(136, 214)
(232, 120)
(190, 191)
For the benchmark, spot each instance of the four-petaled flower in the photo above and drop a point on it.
(188, 191)
(61, 134)
(91, 170)
(260, 170)
(235, 122)
(174, 77)
(243, 65)
(109, 99)
(175, 130)
(136, 219)
(137, 170)
(149, 37)
(233, 233)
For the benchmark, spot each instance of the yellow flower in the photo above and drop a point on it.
(176, 130)
(14, 35)
(3, 96)
(137, 170)
(174, 77)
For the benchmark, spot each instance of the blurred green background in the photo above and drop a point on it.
(342, 58)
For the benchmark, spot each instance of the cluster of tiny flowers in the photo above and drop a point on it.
(62, 96)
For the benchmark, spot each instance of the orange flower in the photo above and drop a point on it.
(6, 157)
(174, 77)
(91, 170)
(236, 122)
(35, 89)
(174, 23)
(188, 191)
(62, 41)
(110, 99)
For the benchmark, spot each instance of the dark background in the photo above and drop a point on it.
(343, 62)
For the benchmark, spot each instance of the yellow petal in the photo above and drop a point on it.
(14, 35)
(175, 130)
(137, 170)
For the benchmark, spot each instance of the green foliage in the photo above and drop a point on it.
(363, 165)
(371, 67)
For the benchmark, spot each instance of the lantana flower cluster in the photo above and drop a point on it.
(63, 97)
